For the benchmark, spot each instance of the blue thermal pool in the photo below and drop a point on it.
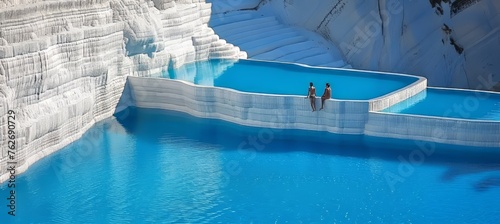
(289, 79)
(452, 104)
(152, 166)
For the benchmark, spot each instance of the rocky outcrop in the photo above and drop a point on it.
(63, 64)
(399, 36)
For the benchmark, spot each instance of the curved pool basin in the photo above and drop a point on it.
(290, 79)
(451, 103)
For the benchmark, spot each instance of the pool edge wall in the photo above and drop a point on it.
(464, 132)
(397, 96)
(354, 117)
(258, 110)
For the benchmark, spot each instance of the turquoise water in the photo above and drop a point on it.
(451, 103)
(288, 79)
(152, 166)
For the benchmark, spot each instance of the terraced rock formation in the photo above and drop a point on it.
(63, 64)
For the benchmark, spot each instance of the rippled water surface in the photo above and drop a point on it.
(152, 166)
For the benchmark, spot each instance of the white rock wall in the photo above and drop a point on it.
(64, 63)
(406, 36)
(432, 129)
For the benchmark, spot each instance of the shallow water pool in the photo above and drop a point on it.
(289, 79)
(451, 103)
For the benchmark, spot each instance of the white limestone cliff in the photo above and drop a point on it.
(63, 63)
(453, 43)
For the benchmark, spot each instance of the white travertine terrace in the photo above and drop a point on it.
(357, 117)
(265, 38)
(452, 131)
(63, 64)
(259, 110)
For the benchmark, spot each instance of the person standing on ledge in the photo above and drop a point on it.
(326, 95)
(311, 94)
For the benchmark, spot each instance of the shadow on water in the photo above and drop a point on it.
(153, 125)
(487, 183)
(484, 184)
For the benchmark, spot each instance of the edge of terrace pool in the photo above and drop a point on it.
(453, 131)
(465, 90)
(352, 117)
(449, 118)
(250, 109)
(376, 104)
(446, 130)
(327, 68)
(257, 109)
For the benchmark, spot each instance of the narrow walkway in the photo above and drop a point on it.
(265, 38)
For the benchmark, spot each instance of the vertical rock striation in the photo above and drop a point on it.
(63, 64)
(453, 43)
